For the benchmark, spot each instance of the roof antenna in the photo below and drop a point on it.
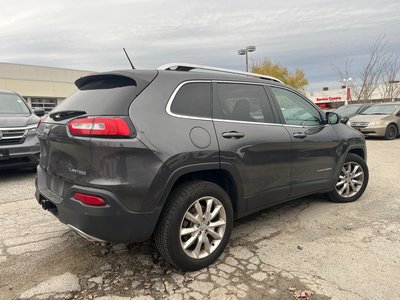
(127, 56)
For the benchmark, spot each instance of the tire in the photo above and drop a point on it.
(356, 180)
(182, 215)
(391, 132)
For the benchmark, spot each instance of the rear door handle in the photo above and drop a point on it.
(233, 135)
(299, 135)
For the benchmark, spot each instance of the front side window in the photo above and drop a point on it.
(193, 99)
(242, 102)
(296, 110)
(12, 104)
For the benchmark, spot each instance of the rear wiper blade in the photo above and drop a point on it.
(65, 114)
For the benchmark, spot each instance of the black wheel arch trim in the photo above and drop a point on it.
(238, 203)
(343, 158)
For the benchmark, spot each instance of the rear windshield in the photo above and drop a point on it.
(102, 95)
(11, 104)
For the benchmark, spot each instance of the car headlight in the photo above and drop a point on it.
(32, 129)
(373, 123)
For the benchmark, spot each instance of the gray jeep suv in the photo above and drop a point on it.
(19, 145)
(178, 155)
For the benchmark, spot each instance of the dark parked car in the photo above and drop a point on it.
(179, 155)
(19, 145)
(347, 111)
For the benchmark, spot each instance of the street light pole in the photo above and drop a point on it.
(245, 52)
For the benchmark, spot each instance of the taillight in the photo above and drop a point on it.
(89, 199)
(100, 126)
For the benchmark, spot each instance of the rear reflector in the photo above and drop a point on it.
(89, 199)
(100, 126)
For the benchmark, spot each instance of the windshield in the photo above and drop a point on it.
(348, 109)
(381, 109)
(12, 104)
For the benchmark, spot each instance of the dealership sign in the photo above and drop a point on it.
(334, 98)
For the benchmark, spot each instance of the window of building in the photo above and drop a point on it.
(243, 102)
(46, 103)
(193, 99)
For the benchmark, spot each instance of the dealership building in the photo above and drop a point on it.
(328, 98)
(42, 87)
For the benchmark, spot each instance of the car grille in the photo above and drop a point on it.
(359, 124)
(9, 136)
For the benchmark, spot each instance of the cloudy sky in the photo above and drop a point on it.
(88, 34)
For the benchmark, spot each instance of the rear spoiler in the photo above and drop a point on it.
(139, 78)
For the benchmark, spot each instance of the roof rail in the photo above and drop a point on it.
(188, 67)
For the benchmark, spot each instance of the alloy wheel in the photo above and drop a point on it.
(203, 227)
(350, 180)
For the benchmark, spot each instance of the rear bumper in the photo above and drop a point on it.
(20, 155)
(111, 223)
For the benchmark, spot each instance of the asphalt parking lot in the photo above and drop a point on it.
(338, 251)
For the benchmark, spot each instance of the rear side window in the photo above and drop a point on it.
(193, 99)
(243, 102)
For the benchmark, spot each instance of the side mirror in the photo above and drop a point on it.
(333, 118)
(39, 111)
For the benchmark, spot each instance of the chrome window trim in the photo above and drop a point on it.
(171, 99)
(248, 122)
(300, 126)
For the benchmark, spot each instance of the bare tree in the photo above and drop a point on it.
(364, 85)
(390, 87)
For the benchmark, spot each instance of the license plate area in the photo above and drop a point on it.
(56, 185)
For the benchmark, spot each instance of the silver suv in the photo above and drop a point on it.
(19, 145)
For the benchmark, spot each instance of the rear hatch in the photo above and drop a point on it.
(98, 110)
